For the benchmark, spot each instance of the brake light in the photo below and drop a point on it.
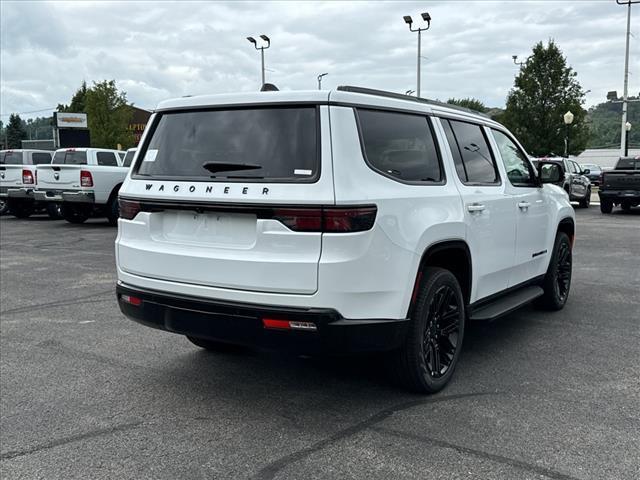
(128, 208)
(27, 176)
(135, 301)
(327, 219)
(86, 180)
(276, 324)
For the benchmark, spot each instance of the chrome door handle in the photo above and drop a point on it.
(524, 205)
(475, 207)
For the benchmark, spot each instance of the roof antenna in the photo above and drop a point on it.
(269, 87)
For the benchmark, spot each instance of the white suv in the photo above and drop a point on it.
(343, 221)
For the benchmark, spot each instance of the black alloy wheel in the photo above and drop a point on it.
(563, 271)
(557, 280)
(442, 333)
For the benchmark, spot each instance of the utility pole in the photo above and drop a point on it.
(623, 134)
(409, 21)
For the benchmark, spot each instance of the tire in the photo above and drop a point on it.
(586, 201)
(606, 206)
(214, 346)
(113, 211)
(53, 210)
(557, 280)
(625, 206)
(414, 363)
(4, 208)
(74, 214)
(20, 209)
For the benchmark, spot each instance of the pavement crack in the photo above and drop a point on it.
(59, 303)
(270, 470)
(70, 439)
(529, 467)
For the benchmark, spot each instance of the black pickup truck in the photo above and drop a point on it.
(621, 186)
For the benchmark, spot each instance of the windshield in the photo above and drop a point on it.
(70, 157)
(128, 158)
(11, 158)
(269, 144)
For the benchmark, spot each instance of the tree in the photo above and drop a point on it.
(544, 90)
(77, 104)
(605, 123)
(15, 132)
(470, 103)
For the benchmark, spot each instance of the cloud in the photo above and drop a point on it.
(158, 50)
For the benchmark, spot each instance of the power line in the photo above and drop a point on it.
(23, 113)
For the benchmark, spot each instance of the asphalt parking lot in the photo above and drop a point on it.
(86, 393)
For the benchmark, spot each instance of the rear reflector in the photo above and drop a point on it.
(86, 180)
(27, 176)
(135, 301)
(128, 209)
(274, 324)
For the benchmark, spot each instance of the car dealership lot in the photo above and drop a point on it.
(86, 393)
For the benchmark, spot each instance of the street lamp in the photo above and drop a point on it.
(409, 21)
(627, 127)
(515, 61)
(320, 80)
(568, 120)
(262, 49)
(623, 135)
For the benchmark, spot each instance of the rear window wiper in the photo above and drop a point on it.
(215, 167)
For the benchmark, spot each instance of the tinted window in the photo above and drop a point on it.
(400, 145)
(628, 164)
(128, 158)
(40, 158)
(70, 157)
(276, 144)
(515, 161)
(107, 159)
(455, 150)
(478, 163)
(121, 154)
(11, 158)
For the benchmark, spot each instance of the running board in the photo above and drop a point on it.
(506, 304)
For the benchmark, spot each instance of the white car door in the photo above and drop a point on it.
(531, 207)
(489, 218)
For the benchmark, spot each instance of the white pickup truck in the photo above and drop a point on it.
(85, 181)
(18, 181)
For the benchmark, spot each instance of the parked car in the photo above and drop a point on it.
(621, 186)
(84, 181)
(249, 219)
(595, 171)
(574, 180)
(18, 180)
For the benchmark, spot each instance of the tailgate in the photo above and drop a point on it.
(58, 177)
(621, 180)
(10, 176)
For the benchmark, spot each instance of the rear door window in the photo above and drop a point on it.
(70, 157)
(107, 159)
(475, 163)
(260, 144)
(400, 145)
(128, 158)
(39, 158)
(11, 158)
(519, 170)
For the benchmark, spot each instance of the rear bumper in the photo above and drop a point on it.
(65, 196)
(22, 193)
(241, 323)
(619, 195)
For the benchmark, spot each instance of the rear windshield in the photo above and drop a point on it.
(70, 157)
(40, 158)
(264, 144)
(628, 164)
(128, 158)
(11, 158)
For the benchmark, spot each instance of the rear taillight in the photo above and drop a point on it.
(128, 209)
(328, 219)
(27, 177)
(86, 180)
(131, 300)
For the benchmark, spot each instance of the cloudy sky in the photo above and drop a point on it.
(161, 49)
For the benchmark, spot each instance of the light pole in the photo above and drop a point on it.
(627, 128)
(623, 135)
(516, 62)
(262, 49)
(409, 21)
(320, 80)
(568, 120)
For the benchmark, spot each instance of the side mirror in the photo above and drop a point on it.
(550, 172)
(586, 171)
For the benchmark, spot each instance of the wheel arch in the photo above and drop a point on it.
(114, 193)
(453, 255)
(568, 226)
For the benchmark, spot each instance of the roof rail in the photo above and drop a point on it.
(401, 96)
